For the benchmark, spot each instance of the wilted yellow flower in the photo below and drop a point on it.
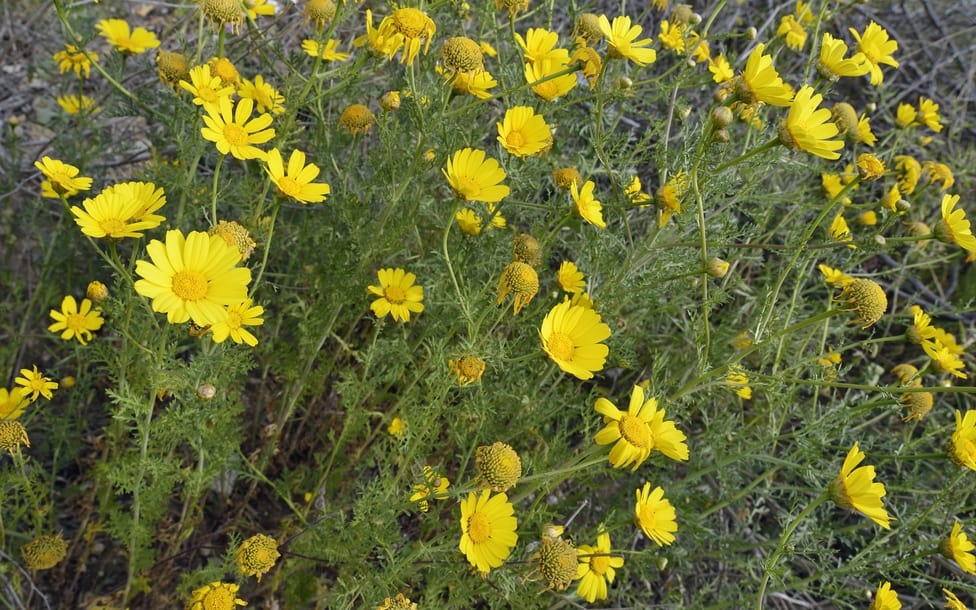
(556, 561)
(215, 596)
(468, 369)
(522, 281)
(434, 487)
(44, 552)
(12, 434)
(865, 298)
(73, 58)
(257, 555)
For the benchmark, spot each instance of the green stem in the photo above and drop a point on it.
(781, 546)
(745, 156)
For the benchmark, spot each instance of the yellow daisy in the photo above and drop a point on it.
(487, 529)
(540, 76)
(856, 489)
(73, 58)
(118, 211)
(885, 598)
(655, 515)
(62, 177)
(257, 555)
(397, 294)
(412, 26)
(468, 221)
(877, 48)
(597, 568)
(75, 104)
(639, 431)
(952, 602)
(265, 96)
(35, 384)
(586, 206)
(833, 64)
(809, 128)
(539, 45)
(235, 319)
(570, 278)
(125, 40)
(954, 227)
(523, 132)
(963, 449)
(473, 177)
(74, 322)
(231, 128)
(297, 181)
(13, 402)
(572, 336)
(622, 40)
(326, 52)
(959, 548)
(760, 82)
(792, 31)
(217, 595)
(192, 277)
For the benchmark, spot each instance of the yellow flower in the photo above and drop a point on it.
(296, 181)
(952, 602)
(571, 335)
(257, 555)
(792, 30)
(234, 235)
(172, 68)
(223, 13)
(930, 114)
(522, 281)
(833, 64)
(461, 54)
(551, 87)
(256, 8)
(668, 197)
(379, 42)
(473, 177)
(396, 428)
(233, 131)
(570, 278)
(35, 384)
(412, 26)
(434, 487)
(539, 45)
(216, 596)
(192, 277)
(737, 379)
(470, 83)
(400, 602)
(62, 177)
(909, 170)
(499, 466)
(622, 41)
(356, 119)
(809, 128)
(320, 12)
(672, 36)
(12, 436)
(397, 294)
(523, 132)
(326, 52)
(863, 132)
(74, 104)
(634, 192)
(586, 206)
(954, 227)
(596, 568)
(885, 598)
(563, 177)
(939, 172)
(13, 402)
(468, 221)
(639, 431)
(265, 96)
(856, 489)
(760, 82)
(963, 449)
(877, 49)
(655, 515)
(132, 42)
(869, 166)
(835, 277)
(556, 560)
(958, 547)
(468, 369)
(589, 63)
(73, 58)
(721, 70)
(865, 298)
(121, 210)
(232, 325)
(487, 529)
(76, 323)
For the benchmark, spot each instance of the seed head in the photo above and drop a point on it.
(525, 249)
(866, 299)
(257, 555)
(499, 465)
(557, 562)
(461, 54)
(44, 552)
(12, 436)
(522, 281)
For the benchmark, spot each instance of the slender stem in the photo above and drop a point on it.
(781, 546)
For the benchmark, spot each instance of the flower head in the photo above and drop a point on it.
(639, 431)
(192, 277)
(476, 83)
(963, 450)
(74, 322)
(635, 193)
(236, 317)
(586, 206)
(62, 177)
(564, 177)
(885, 598)
(954, 226)
(412, 26)
(572, 336)
(952, 602)
(231, 128)
(760, 82)
(523, 132)
(44, 552)
(809, 128)
(35, 384)
(522, 281)
(877, 49)
(526, 249)
(257, 555)
(622, 40)
(121, 210)
(856, 489)
(570, 278)
(326, 52)
(265, 96)
(320, 12)
(655, 515)
(597, 568)
(76, 104)
(434, 487)
(223, 12)
(833, 64)
(172, 68)
(475, 177)
(468, 369)
(668, 197)
(487, 529)
(234, 235)
(73, 58)
(356, 119)
(499, 465)
(958, 547)
(13, 402)
(125, 40)
(865, 298)
(556, 560)
(216, 596)
(296, 181)
(400, 602)
(468, 221)
(397, 294)
(541, 76)
(461, 54)
(12, 436)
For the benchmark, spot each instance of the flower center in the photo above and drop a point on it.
(288, 186)
(468, 187)
(208, 95)
(647, 518)
(599, 565)
(479, 529)
(515, 139)
(112, 226)
(235, 134)
(234, 319)
(561, 346)
(395, 295)
(190, 285)
(218, 599)
(409, 22)
(76, 322)
(635, 431)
